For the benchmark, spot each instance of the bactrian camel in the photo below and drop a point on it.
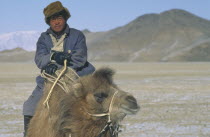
(92, 107)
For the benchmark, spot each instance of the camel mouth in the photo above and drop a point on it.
(130, 106)
(121, 116)
(130, 110)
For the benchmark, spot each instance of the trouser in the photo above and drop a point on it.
(26, 123)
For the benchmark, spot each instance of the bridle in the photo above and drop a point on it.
(113, 129)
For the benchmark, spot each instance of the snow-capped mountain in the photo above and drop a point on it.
(20, 39)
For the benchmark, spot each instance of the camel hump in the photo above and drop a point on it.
(105, 73)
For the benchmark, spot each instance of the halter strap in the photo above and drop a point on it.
(109, 125)
(109, 111)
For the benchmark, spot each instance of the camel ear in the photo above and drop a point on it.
(78, 89)
(104, 74)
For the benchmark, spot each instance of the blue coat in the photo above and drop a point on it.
(74, 41)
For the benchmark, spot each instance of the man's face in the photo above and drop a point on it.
(57, 23)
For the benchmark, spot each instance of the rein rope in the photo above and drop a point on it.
(57, 81)
(46, 102)
(109, 126)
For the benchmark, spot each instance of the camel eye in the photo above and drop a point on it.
(100, 97)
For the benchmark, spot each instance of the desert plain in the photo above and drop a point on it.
(174, 97)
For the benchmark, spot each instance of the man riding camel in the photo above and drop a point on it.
(53, 48)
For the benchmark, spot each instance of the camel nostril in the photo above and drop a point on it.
(131, 99)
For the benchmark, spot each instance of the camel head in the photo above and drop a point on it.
(97, 91)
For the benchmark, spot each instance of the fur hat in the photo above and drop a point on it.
(55, 8)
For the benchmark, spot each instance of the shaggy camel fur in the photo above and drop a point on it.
(69, 113)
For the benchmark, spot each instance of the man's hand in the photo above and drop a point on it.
(59, 57)
(50, 69)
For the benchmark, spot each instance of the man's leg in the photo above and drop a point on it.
(26, 123)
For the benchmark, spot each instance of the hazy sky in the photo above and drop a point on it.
(95, 15)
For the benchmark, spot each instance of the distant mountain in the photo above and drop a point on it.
(21, 39)
(169, 36)
(86, 31)
(174, 35)
(16, 55)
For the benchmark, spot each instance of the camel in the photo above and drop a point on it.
(93, 107)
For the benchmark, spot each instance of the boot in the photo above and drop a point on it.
(26, 123)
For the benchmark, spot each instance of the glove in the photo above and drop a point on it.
(50, 69)
(59, 57)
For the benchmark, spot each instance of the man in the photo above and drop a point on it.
(52, 49)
